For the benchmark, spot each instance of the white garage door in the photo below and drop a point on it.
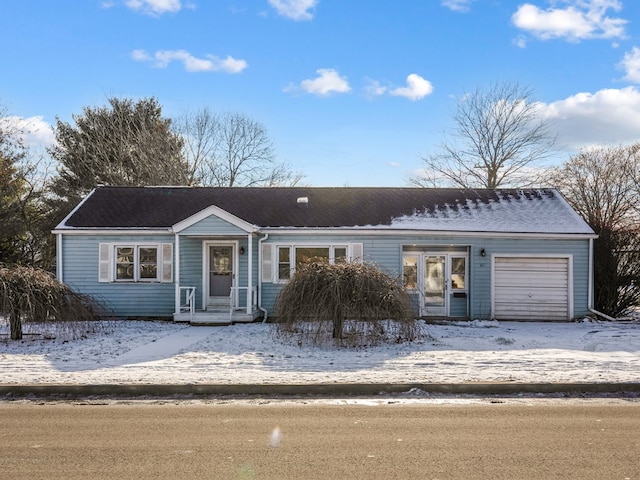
(531, 288)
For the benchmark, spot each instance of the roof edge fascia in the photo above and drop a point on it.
(573, 211)
(63, 223)
(412, 232)
(112, 231)
(217, 212)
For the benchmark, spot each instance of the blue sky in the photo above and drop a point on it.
(352, 92)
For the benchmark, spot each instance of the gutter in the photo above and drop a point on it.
(260, 307)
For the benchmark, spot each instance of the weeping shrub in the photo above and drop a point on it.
(346, 303)
(33, 295)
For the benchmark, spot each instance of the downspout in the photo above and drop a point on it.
(59, 270)
(260, 307)
(590, 299)
(250, 272)
(176, 278)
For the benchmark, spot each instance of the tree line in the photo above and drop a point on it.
(498, 139)
(124, 143)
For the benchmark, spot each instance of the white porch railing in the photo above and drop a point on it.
(189, 304)
(250, 303)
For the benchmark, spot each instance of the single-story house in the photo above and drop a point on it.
(223, 254)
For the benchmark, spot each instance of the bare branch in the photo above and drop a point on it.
(231, 149)
(498, 133)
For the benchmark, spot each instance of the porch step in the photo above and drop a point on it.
(215, 318)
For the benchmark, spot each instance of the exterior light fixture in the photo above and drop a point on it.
(241, 250)
(483, 252)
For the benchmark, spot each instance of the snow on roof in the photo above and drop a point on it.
(547, 212)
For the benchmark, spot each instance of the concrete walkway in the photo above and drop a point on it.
(164, 347)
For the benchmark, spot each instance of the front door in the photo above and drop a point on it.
(220, 275)
(435, 285)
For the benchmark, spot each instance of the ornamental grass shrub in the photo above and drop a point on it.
(347, 304)
(33, 296)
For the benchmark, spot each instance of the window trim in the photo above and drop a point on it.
(292, 247)
(465, 273)
(137, 278)
(421, 255)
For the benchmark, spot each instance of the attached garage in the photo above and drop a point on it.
(532, 288)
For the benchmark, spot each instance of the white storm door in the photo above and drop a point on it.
(435, 285)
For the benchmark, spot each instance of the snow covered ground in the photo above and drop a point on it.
(138, 352)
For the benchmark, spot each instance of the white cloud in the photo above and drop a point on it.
(520, 41)
(609, 116)
(579, 20)
(374, 89)
(33, 131)
(417, 88)
(211, 63)
(457, 5)
(328, 81)
(631, 65)
(295, 9)
(154, 7)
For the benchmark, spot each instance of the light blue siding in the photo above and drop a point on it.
(213, 226)
(80, 265)
(385, 251)
(80, 272)
(191, 266)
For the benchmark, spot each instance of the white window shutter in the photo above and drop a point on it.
(267, 262)
(356, 252)
(104, 262)
(167, 262)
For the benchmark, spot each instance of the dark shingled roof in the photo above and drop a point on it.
(163, 207)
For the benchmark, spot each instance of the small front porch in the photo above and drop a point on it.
(218, 315)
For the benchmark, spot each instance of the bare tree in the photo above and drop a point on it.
(601, 186)
(228, 150)
(498, 134)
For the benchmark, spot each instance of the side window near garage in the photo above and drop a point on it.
(410, 271)
(458, 273)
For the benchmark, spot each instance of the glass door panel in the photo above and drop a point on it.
(435, 284)
(220, 271)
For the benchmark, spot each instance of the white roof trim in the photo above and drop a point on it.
(421, 233)
(111, 231)
(217, 212)
(63, 223)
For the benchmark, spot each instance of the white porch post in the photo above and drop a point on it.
(249, 273)
(176, 273)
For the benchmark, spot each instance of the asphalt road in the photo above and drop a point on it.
(568, 440)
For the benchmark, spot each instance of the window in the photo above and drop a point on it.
(284, 263)
(458, 273)
(410, 271)
(136, 263)
(309, 254)
(291, 257)
(125, 263)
